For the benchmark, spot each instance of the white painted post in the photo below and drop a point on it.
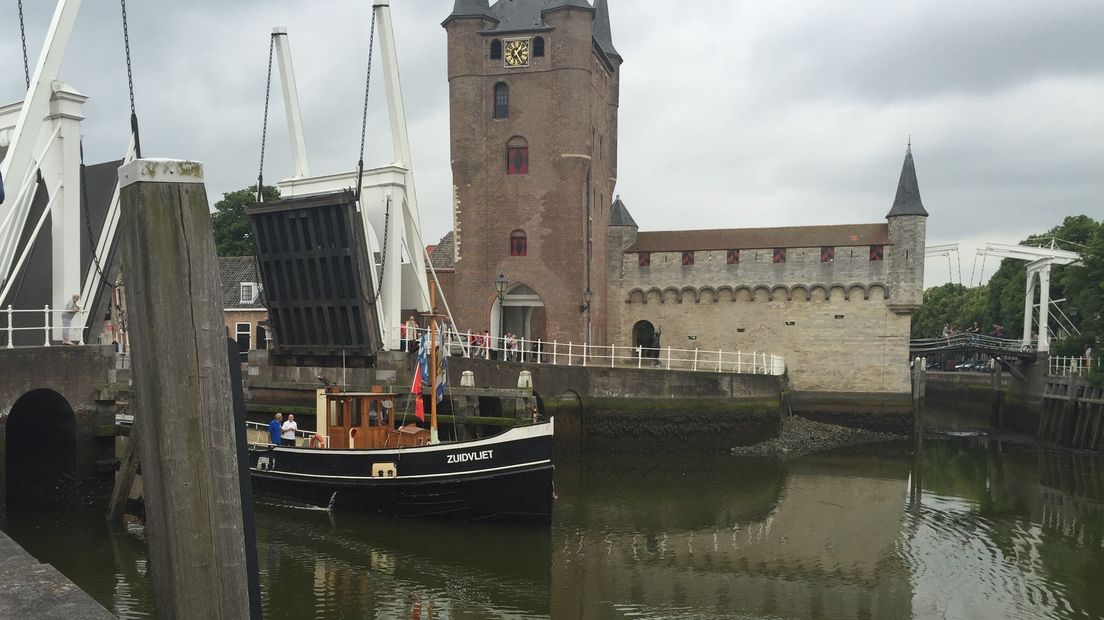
(719, 360)
(739, 355)
(613, 355)
(668, 357)
(467, 345)
(695, 358)
(46, 318)
(555, 354)
(584, 354)
(639, 356)
(570, 361)
(10, 327)
(83, 323)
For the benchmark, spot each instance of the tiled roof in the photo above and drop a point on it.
(759, 238)
(443, 255)
(233, 271)
(908, 201)
(619, 215)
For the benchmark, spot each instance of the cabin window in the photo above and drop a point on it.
(733, 257)
(688, 258)
(779, 256)
(518, 243)
(517, 156)
(538, 46)
(496, 50)
(877, 252)
(827, 254)
(643, 259)
(354, 409)
(335, 415)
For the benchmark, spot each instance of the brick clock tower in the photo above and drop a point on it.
(533, 94)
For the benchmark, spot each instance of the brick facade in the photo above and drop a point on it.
(564, 106)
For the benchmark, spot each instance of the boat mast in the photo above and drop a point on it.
(433, 438)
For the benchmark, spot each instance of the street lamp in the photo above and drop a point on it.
(500, 284)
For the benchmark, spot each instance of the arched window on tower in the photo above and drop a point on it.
(517, 156)
(538, 47)
(501, 100)
(518, 243)
(496, 50)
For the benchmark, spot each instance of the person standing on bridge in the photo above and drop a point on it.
(275, 427)
(71, 310)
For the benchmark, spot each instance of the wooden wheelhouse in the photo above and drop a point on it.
(362, 421)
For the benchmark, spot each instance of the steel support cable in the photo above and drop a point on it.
(88, 224)
(130, 84)
(23, 37)
(264, 124)
(364, 115)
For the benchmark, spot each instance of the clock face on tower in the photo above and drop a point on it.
(516, 53)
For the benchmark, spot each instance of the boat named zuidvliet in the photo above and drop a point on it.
(359, 460)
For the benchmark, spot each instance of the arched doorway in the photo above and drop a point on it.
(642, 334)
(40, 451)
(521, 313)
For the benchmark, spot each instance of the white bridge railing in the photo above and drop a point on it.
(1072, 366)
(45, 321)
(520, 350)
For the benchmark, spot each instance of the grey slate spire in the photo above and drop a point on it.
(908, 191)
(619, 215)
(470, 8)
(602, 32)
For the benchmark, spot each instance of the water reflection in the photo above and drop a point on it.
(972, 528)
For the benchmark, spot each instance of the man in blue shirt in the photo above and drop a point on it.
(274, 429)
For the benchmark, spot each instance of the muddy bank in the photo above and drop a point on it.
(801, 436)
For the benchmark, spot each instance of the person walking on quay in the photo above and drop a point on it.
(275, 428)
(71, 310)
(289, 429)
(411, 335)
(655, 346)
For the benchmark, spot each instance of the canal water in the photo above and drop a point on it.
(972, 528)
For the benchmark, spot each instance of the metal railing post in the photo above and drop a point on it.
(467, 347)
(719, 354)
(739, 368)
(639, 357)
(46, 318)
(668, 357)
(695, 359)
(84, 324)
(11, 329)
(584, 354)
(570, 361)
(555, 354)
(613, 355)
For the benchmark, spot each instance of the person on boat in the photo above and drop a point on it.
(411, 335)
(275, 427)
(289, 429)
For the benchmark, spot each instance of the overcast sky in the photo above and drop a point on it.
(733, 113)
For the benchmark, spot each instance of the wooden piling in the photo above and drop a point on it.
(182, 393)
(124, 478)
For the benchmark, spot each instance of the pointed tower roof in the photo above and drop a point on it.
(908, 191)
(619, 215)
(601, 28)
(470, 8)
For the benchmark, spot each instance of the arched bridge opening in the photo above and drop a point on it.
(40, 451)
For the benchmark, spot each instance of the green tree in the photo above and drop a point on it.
(230, 223)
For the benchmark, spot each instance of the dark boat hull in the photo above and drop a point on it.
(507, 477)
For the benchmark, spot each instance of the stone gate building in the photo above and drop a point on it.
(533, 92)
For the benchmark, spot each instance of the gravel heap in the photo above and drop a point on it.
(801, 436)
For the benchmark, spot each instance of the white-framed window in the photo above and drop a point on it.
(248, 292)
(242, 334)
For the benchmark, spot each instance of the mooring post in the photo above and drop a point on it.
(996, 394)
(917, 399)
(182, 392)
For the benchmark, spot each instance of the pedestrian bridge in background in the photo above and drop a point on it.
(973, 343)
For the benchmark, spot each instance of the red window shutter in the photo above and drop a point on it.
(644, 259)
(779, 255)
(688, 258)
(827, 254)
(877, 252)
(733, 257)
(517, 160)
